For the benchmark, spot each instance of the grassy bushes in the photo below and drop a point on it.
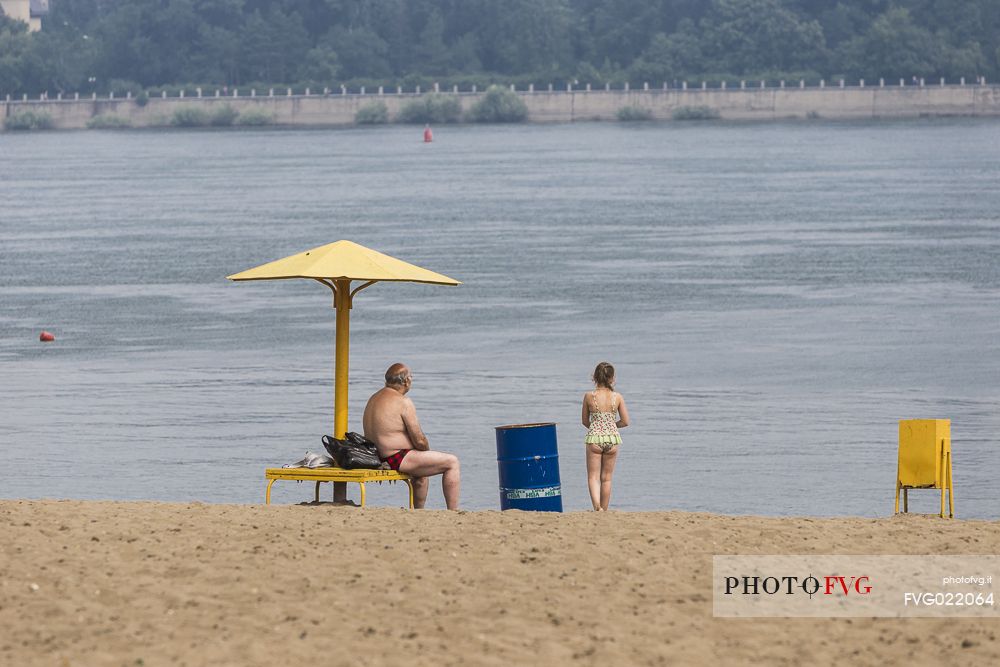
(195, 117)
(107, 121)
(255, 118)
(223, 116)
(631, 114)
(376, 113)
(695, 113)
(28, 120)
(433, 108)
(190, 117)
(499, 105)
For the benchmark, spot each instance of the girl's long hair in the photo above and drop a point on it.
(604, 375)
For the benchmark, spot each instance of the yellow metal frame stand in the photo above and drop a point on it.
(925, 460)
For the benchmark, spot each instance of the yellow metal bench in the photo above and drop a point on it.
(320, 475)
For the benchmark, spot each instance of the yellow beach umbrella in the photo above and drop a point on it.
(337, 265)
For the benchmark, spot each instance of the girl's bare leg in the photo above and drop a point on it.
(594, 475)
(607, 470)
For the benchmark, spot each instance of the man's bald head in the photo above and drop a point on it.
(397, 375)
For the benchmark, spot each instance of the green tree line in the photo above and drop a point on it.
(104, 45)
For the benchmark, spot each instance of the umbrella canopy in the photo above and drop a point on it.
(337, 265)
(343, 260)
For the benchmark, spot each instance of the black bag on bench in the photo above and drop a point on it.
(354, 451)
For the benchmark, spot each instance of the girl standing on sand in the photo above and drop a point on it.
(600, 408)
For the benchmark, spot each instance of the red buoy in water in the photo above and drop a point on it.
(46, 337)
(428, 135)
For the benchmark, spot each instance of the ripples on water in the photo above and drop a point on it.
(775, 298)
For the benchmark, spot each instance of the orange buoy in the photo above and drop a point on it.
(428, 135)
(46, 337)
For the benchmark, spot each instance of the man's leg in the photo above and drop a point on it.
(425, 464)
(420, 486)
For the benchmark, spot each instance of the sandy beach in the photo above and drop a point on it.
(116, 583)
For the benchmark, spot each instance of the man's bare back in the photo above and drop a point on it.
(390, 421)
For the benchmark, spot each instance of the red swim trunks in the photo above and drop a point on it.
(396, 459)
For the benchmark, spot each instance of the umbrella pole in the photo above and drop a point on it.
(342, 301)
(341, 357)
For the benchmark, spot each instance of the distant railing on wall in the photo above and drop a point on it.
(573, 88)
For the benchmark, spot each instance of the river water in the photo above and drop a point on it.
(775, 298)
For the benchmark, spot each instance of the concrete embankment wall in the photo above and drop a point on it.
(558, 106)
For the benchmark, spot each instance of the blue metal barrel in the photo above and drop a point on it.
(528, 460)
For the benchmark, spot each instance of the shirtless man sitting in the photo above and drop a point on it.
(391, 422)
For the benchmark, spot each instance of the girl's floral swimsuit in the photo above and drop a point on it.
(603, 425)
